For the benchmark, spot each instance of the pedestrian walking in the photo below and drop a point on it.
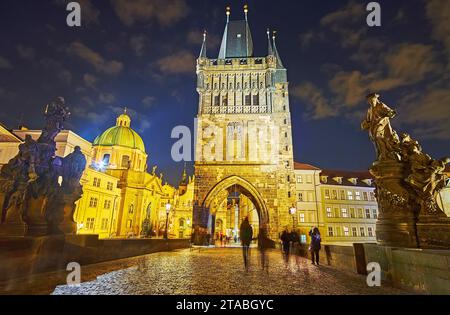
(315, 245)
(263, 246)
(296, 247)
(285, 245)
(246, 236)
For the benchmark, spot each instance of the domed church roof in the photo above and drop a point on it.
(121, 135)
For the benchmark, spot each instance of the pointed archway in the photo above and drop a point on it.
(220, 191)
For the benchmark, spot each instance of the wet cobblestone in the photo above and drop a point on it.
(220, 271)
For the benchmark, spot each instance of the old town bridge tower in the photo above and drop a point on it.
(243, 130)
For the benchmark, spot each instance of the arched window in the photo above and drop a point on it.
(131, 209)
(181, 223)
(106, 159)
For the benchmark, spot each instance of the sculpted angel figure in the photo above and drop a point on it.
(378, 124)
(426, 176)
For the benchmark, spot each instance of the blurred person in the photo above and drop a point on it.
(263, 245)
(246, 236)
(285, 245)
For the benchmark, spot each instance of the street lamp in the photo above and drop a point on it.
(168, 206)
(293, 211)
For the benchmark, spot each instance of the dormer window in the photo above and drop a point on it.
(324, 179)
(354, 181)
(338, 180)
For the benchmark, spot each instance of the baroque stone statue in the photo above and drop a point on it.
(407, 183)
(31, 199)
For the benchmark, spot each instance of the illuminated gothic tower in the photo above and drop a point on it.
(243, 137)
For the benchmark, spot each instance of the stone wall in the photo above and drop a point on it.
(20, 257)
(422, 270)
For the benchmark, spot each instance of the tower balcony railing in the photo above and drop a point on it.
(237, 62)
(260, 109)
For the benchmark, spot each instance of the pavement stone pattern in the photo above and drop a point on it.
(220, 271)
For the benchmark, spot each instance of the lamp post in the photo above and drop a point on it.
(293, 211)
(168, 206)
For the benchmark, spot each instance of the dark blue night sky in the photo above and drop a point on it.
(141, 55)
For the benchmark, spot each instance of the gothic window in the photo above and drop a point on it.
(223, 86)
(248, 101)
(224, 101)
(238, 85)
(245, 85)
(256, 99)
(231, 86)
(254, 85)
(260, 85)
(215, 86)
(216, 100)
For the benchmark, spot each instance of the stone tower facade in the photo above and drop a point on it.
(243, 131)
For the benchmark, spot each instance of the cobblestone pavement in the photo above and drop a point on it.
(218, 271)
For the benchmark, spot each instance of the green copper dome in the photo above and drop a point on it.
(121, 135)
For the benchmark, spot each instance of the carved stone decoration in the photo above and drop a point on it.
(407, 184)
(32, 199)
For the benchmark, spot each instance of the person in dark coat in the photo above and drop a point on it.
(263, 245)
(246, 236)
(286, 243)
(315, 245)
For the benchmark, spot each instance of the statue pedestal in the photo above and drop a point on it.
(434, 232)
(13, 225)
(397, 233)
(35, 217)
(396, 225)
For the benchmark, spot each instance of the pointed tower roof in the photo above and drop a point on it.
(184, 180)
(277, 55)
(269, 42)
(203, 50)
(237, 39)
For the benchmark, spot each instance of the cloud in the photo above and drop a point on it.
(428, 112)
(5, 63)
(106, 98)
(83, 52)
(181, 62)
(319, 106)
(404, 65)
(306, 38)
(343, 21)
(165, 12)
(148, 101)
(195, 37)
(90, 80)
(138, 44)
(438, 12)
(25, 52)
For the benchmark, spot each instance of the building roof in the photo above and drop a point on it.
(343, 178)
(237, 40)
(7, 135)
(305, 167)
(121, 135)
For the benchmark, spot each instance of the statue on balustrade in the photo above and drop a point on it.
(407, 182)
(31, 197)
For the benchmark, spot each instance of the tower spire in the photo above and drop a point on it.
(203, 50)
(246, 12)
(269, 42)
(275, 50)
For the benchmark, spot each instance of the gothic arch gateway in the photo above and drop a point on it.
(242, 186)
